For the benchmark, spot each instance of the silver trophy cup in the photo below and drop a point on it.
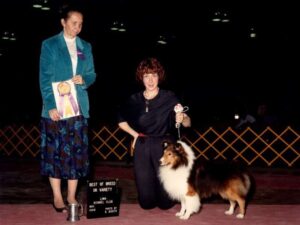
(75, 211)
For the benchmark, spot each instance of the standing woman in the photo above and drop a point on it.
(149, 118)
(64, 141)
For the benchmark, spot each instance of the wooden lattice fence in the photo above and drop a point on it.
(264, 148)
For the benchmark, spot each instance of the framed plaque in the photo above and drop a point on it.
(103, 198)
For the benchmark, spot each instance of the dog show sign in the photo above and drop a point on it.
(103, 198)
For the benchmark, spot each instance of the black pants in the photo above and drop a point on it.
(151, 194)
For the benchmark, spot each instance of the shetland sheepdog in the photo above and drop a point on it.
(188, 181)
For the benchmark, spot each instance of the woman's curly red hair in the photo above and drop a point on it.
(150, 65)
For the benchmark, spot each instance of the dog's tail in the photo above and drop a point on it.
(251, 184)
(245, 188)
(247, 182)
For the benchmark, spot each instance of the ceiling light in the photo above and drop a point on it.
(114, 26)
(225, 18)
(216, 17)
(118, 26)
(46, 5)
(252, 32)
(162, 40)
(122, 27)
(5, 35)
(12, 36)
(37, 4)
(41, 4)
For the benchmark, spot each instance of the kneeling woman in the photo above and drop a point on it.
(149, 118)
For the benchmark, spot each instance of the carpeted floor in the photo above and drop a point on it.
(132, 214)
(25, 199)
(20, 182)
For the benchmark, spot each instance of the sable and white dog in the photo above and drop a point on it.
(188, 181)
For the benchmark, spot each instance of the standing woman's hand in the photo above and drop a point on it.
(77, 79)
(135, 137)
(54, 115)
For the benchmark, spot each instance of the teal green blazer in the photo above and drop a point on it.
(56, 65)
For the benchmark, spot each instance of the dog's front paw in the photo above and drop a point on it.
(178, 214)
(185, 216)
(229, 212)
(240, 216)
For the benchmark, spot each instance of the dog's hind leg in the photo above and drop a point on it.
(242, 204)
(231, 208)
(229, 194)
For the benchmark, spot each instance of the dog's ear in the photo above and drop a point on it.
(178, 147)
(165, 144)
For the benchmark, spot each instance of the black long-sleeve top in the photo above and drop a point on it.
(154, 117)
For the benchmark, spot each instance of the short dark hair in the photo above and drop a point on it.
(66, 10)
(150, 65)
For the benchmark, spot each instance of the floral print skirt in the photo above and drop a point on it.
(64, 148)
